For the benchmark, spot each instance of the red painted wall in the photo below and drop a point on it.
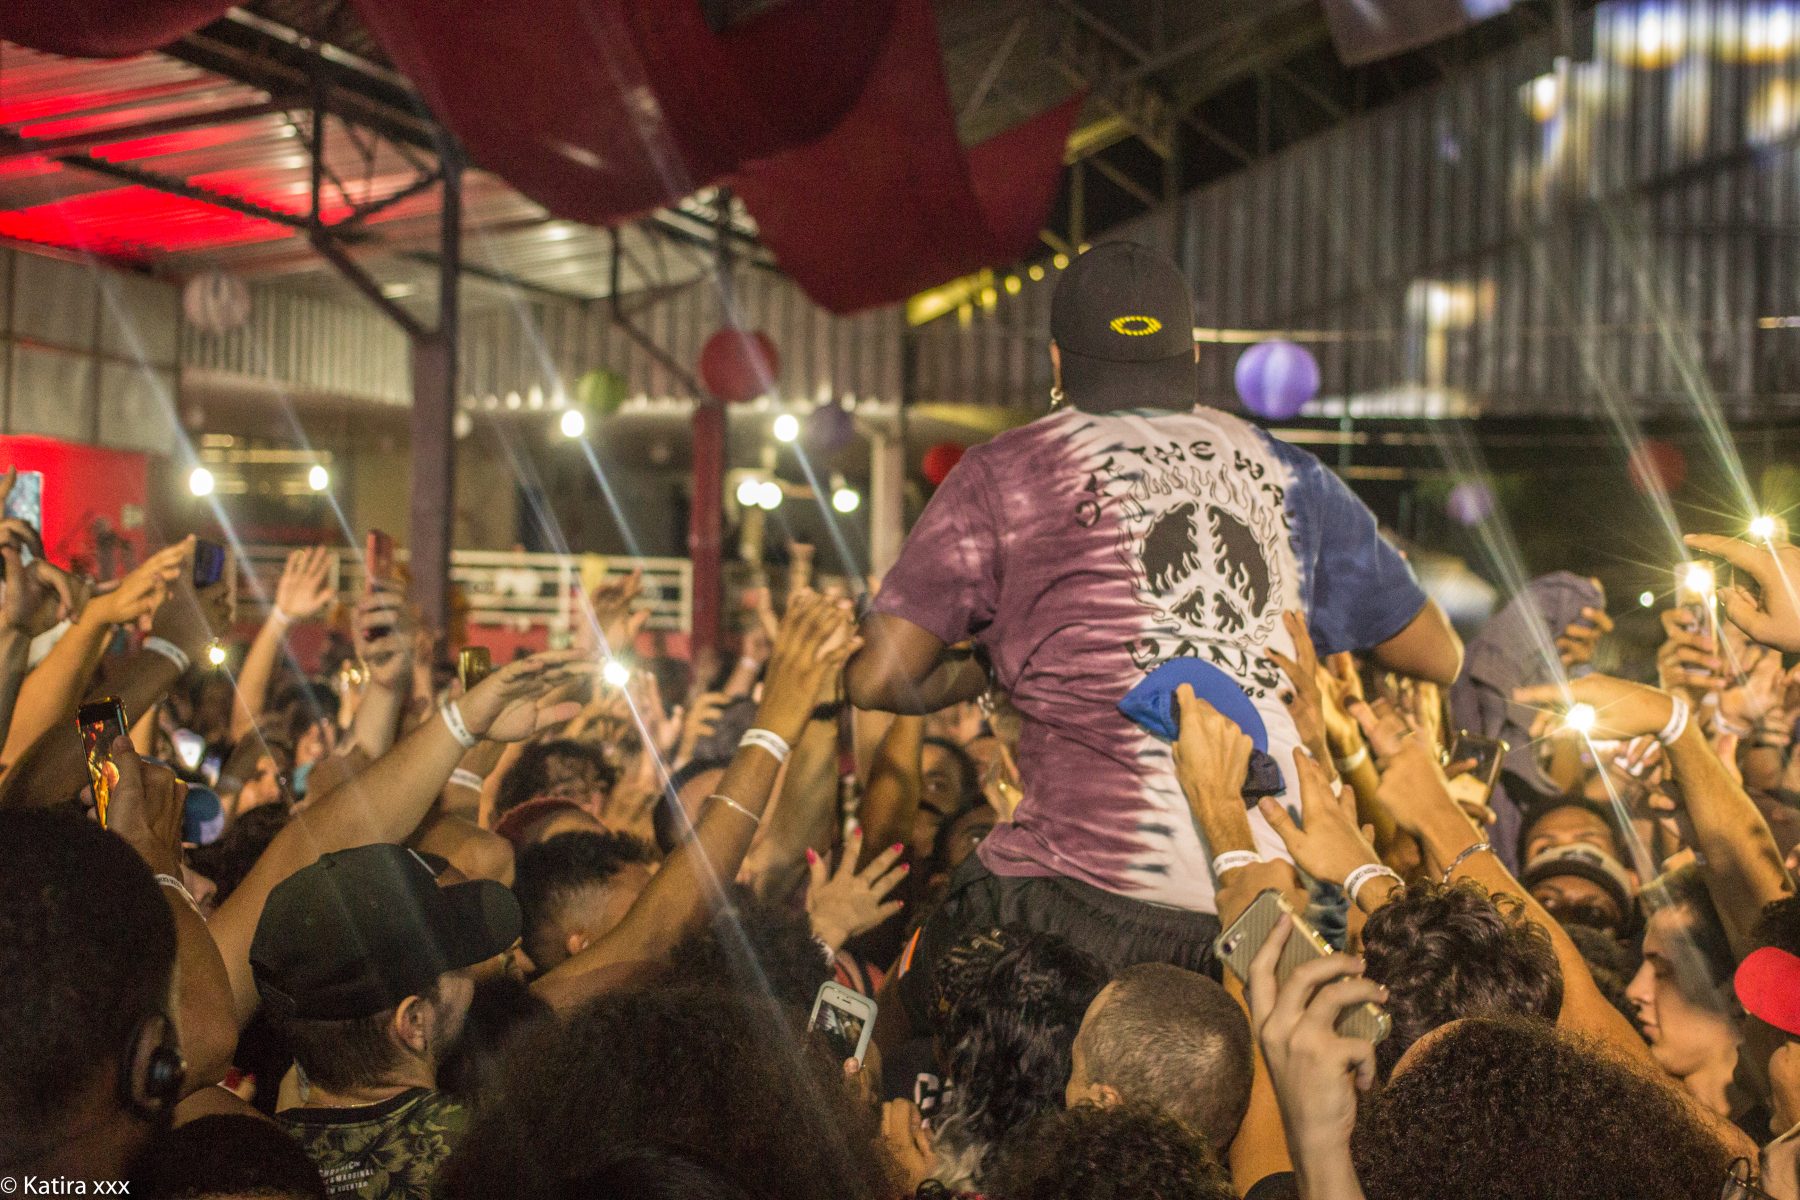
(85, 486)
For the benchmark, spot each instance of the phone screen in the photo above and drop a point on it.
(842, 1029)
(1487, 753)
(26, 503)
(209, 563)
(101, 723)
(190, 748)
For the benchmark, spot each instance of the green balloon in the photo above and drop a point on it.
(600, 391)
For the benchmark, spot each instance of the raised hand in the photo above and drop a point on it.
(1315, 1070)
(1773, 617)
(1304, 698)
(702, 718)
(146, 808)
(504, 706)
(846, 902)
(1743, 706)
(382, 627)
(816, 637)
(143, 590)
(27, 588)
(305, 585)
(1212, 758)
(1575, 645)
(1688, 660)
(1330, 844)
(1622, 710)
(191, 619)
(1413, 787)
(616, 612)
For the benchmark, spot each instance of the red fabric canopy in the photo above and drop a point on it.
(103, 28)
(830, 117)
(889, 203)
(601, 110)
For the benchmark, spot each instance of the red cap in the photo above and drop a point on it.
(1768, 986)
(518, 823)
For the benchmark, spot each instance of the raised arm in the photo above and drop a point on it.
(816, 637)
(1427, 648)
(304, 589)
(1738, 855)
(387, 802)
(903, 668)
(48, 696)
(146, 811)
(890, 800)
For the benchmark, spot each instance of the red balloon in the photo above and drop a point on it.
(1657, 466)
(737, 365)
(939, 459)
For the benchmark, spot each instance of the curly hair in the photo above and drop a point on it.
(227, 1155)
(1125, 1152)
(784, 962)
(87, 949)
(1007, 1041)
(529, 777)
(703, 1073)
(1502, 1108)
(1446, 952)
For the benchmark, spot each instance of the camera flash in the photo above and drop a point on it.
(1580, 718)
(615, 673)
(1763, 528)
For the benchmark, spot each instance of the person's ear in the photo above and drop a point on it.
(412, 1024)
(154, 1071)
(1101, 1095)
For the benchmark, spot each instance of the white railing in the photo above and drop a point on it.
(503, 587)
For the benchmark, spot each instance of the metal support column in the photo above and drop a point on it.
(887, 498)
(706, 515)
(433, 417)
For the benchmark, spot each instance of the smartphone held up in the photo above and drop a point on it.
(845, 1019)
(101, 723)
(1240, 944)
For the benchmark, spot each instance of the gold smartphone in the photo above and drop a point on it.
(1241, 943)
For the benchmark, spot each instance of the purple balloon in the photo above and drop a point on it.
(1470, 503)
(1276, 379)
(830, 428)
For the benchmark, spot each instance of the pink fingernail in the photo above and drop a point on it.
(897, 847)
(856, 830)
(905, 867)
(812, 856)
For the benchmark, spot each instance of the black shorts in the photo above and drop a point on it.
(1117, 930)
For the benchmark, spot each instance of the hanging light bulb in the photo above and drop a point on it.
(845, 499)
(768, 495)
(748, 492)
(787, 428)
(201, 482)
(573, 423)
(318, 478)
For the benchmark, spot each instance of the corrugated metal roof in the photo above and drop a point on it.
(264, 159)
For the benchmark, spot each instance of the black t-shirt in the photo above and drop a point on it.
(1282, 1186)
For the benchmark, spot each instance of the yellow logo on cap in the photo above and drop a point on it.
(1135, 326)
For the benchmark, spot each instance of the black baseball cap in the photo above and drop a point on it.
(360, 930)
(1123, 322)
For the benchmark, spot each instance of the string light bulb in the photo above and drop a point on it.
(748, 492)
(573, 423)
(318, 478)
(201, 481)
(787, 428)
(215, 654)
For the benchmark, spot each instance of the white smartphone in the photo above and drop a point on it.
(844, 1019)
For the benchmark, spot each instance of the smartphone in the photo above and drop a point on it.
(26, 503)
(844, 1019)
(1238, 945)
(473, 666)
(101, 723)
(378, 564)
(209, 563)
(1487, 753)
(1695, 583)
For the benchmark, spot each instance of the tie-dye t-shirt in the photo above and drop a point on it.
(1082, 552)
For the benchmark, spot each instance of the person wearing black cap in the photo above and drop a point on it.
(363, 964)
(1128, 529)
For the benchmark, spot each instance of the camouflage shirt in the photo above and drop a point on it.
(386, 1151)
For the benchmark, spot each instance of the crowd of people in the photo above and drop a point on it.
(1144, 832)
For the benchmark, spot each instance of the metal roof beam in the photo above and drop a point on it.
(17, 145)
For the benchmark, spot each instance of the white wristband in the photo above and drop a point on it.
(463, 777)
(170, 651)
(1350, 762)
(169, 881)
(1678, 722)
(278, 618)
(1231, 860)
(1358, 878)
(774, 743)
(453, 720)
